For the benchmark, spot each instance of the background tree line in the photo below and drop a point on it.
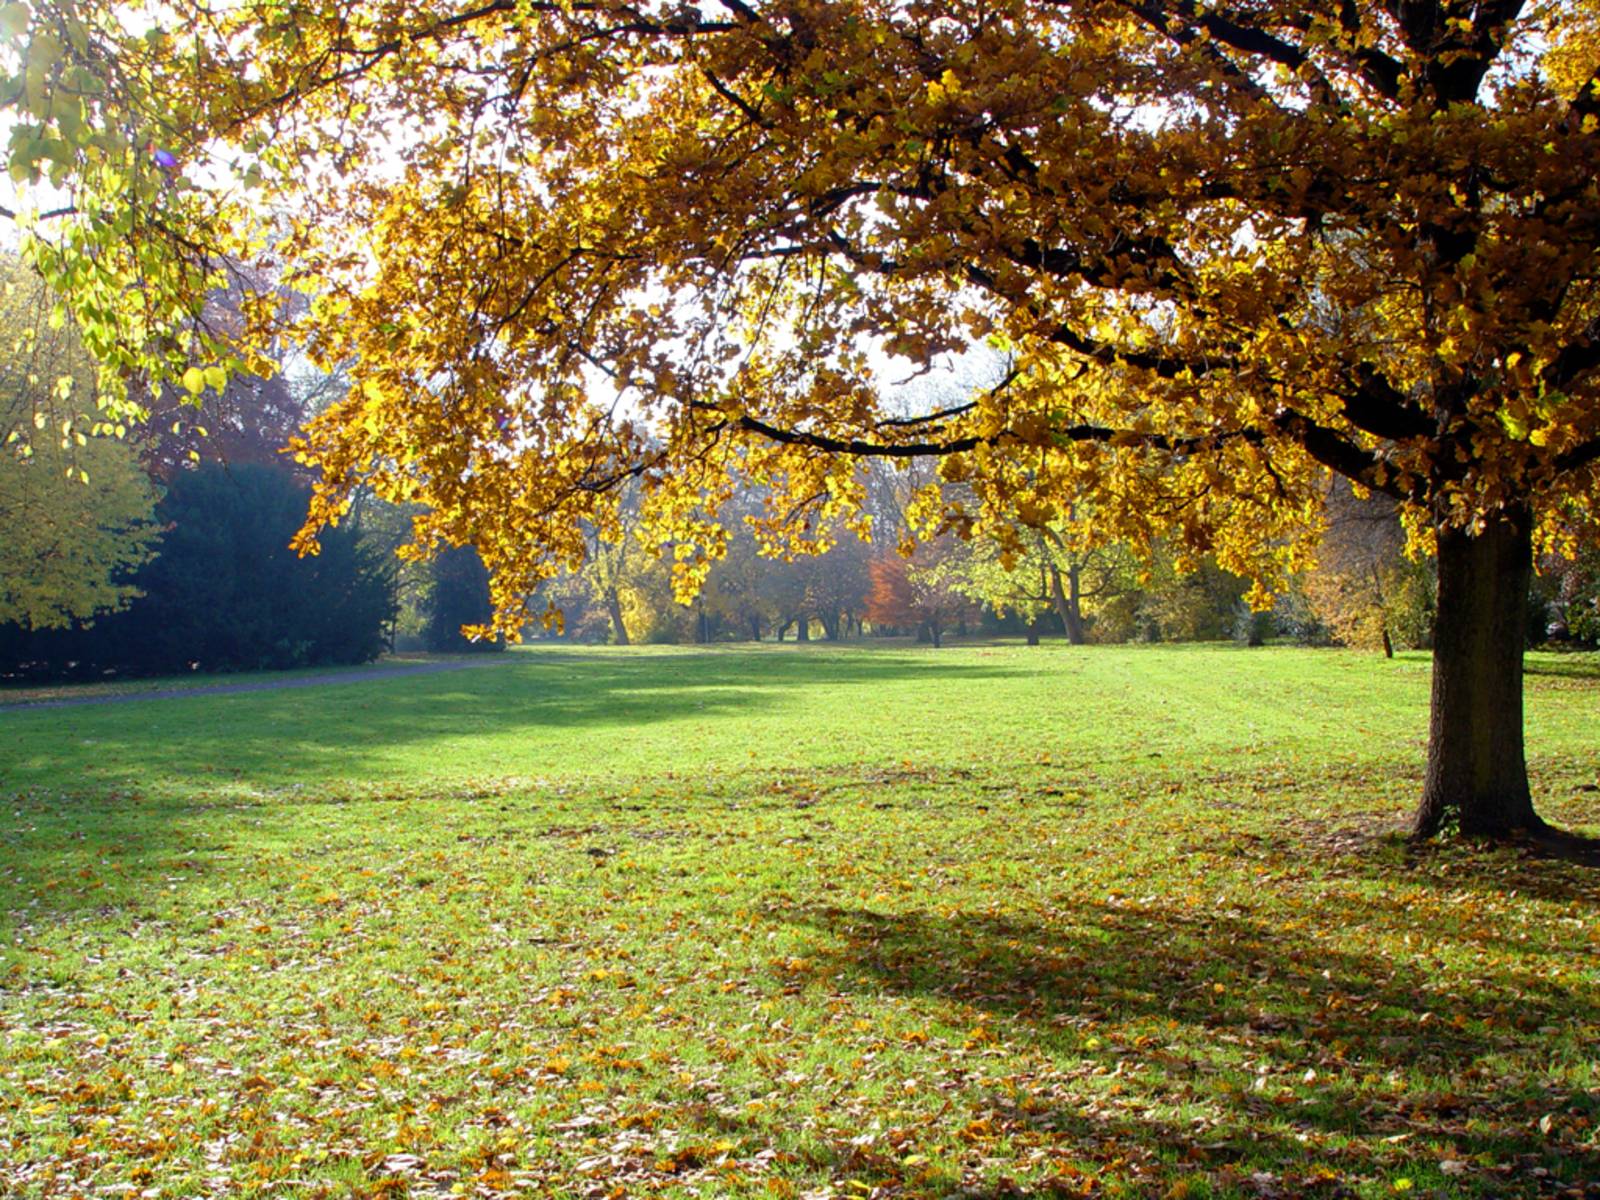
(1364, 591)
(164, 548)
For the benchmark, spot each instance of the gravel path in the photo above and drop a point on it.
(263, 685)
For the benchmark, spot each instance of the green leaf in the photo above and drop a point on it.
(21, 167)
(45, 51)
(216, 377)
(14, 20)
(194, 381)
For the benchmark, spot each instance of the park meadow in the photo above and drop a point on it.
(794, 921)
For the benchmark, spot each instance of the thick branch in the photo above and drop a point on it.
(1182, 21)
(1336, 453)
(1163, 365)
(1576, 360)
(1380, 72)
(1579, 456)
(1323, 444)
(1377, 407)
(48, 215)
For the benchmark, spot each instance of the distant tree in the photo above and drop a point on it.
(1046, 570)
(459, 597)
(892, 601)
(922, 592)
(837, 583)
(235, 418)
(1568, 595)
(76, 509)
(1184, 600)
(225, 592)
(383, 528)
(735, 590)
(248, 423)
(783, 596)
(1365, 588)
(619, 572)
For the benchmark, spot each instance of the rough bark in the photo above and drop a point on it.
(1477, 774)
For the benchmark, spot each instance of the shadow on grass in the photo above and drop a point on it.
(351, 732)
(1194, 1004)
(1564, 666)
(1556, 866)
(129, 779)
(67, 856)
(1562, 845)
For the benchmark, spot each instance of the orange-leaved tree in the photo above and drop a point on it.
(922, 593)
(1229, 247)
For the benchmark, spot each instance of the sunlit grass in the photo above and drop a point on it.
(792, 921)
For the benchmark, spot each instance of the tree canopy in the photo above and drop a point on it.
(1228, 247)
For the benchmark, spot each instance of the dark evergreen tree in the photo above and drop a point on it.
(460, 596)
(225, 592)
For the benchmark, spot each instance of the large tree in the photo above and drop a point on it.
(1229, 247)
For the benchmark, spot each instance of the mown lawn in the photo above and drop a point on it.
(985, 922)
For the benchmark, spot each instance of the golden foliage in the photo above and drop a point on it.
(565, 245)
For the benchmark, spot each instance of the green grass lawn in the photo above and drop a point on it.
(793, 922)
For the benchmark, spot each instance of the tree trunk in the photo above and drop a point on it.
(1069, 603)
(1477, 774)
(802, 629)
(1383, 611)
(755, 629)
(619, 631)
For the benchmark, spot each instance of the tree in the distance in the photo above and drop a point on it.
(77, 511)
(1365, 588)
(249, 422)
(1229, 249)
(458, 597)
(1568, 591)
(225, 593)
(1044, 571)
(923, 593)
